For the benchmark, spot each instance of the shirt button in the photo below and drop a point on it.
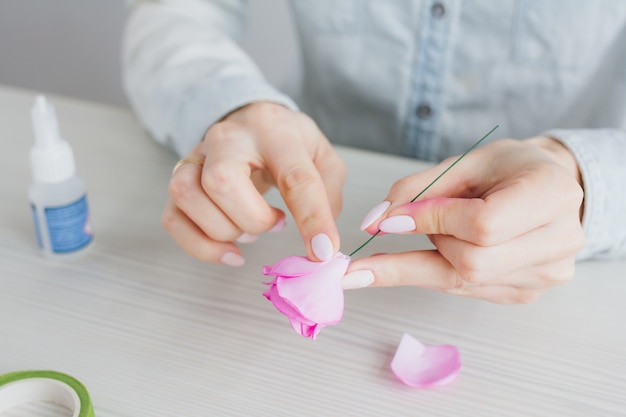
(438, 10)
(423, 111)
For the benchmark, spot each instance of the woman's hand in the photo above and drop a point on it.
(506, 224)
(218, 200)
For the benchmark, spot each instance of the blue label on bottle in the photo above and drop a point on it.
(69, 227)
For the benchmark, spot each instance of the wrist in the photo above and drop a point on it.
(563, 157)
(255, 107)
(560, 154)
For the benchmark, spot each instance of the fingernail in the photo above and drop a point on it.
(357, 279)
(247, 238)
(374, 214)
(280, 225)
(232, 259)
(397, 224)
(322, 246)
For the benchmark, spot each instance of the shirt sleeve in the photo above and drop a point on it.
(600, 154)
(184, 68)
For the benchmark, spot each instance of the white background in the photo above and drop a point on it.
(72, 47)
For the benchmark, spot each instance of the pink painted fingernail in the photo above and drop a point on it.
(247, 238)
(357, 279)
(397, 224)
(280, 225)
(374, 214)
(232, 259)
(322, 246)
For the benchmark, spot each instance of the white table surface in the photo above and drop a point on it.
(152, 332)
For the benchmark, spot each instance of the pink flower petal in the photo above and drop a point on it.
(284, 306)
(308, 293)
(420, 366)
(291, 266)
(306, 330)
(319, 295)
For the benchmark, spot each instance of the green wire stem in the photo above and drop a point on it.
(471, 148)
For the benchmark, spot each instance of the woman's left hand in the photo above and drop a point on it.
(505, 221)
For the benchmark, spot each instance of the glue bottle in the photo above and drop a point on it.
(58, 197)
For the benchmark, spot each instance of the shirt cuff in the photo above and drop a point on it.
(210, 102)
(598, 153)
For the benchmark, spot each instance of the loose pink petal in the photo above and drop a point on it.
(318, 296)
(420, 366)
(291, 266)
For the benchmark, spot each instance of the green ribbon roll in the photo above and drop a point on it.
(24, 387)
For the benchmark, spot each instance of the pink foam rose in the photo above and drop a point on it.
(308, 293)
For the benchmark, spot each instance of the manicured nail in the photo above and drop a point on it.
(232, 259)
(397, 224)
(374, 214)
(357, 279)
(247, 238)
(322, 246)
(280, 225)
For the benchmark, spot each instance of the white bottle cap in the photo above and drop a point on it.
(51, 158)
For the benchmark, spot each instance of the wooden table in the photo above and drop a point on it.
(152, 332)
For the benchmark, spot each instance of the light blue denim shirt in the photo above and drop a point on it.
(420, 78)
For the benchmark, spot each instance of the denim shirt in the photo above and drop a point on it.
(420, 78)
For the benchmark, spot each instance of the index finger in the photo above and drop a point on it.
(302, 187)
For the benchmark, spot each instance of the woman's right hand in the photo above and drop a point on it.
(218, 201)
